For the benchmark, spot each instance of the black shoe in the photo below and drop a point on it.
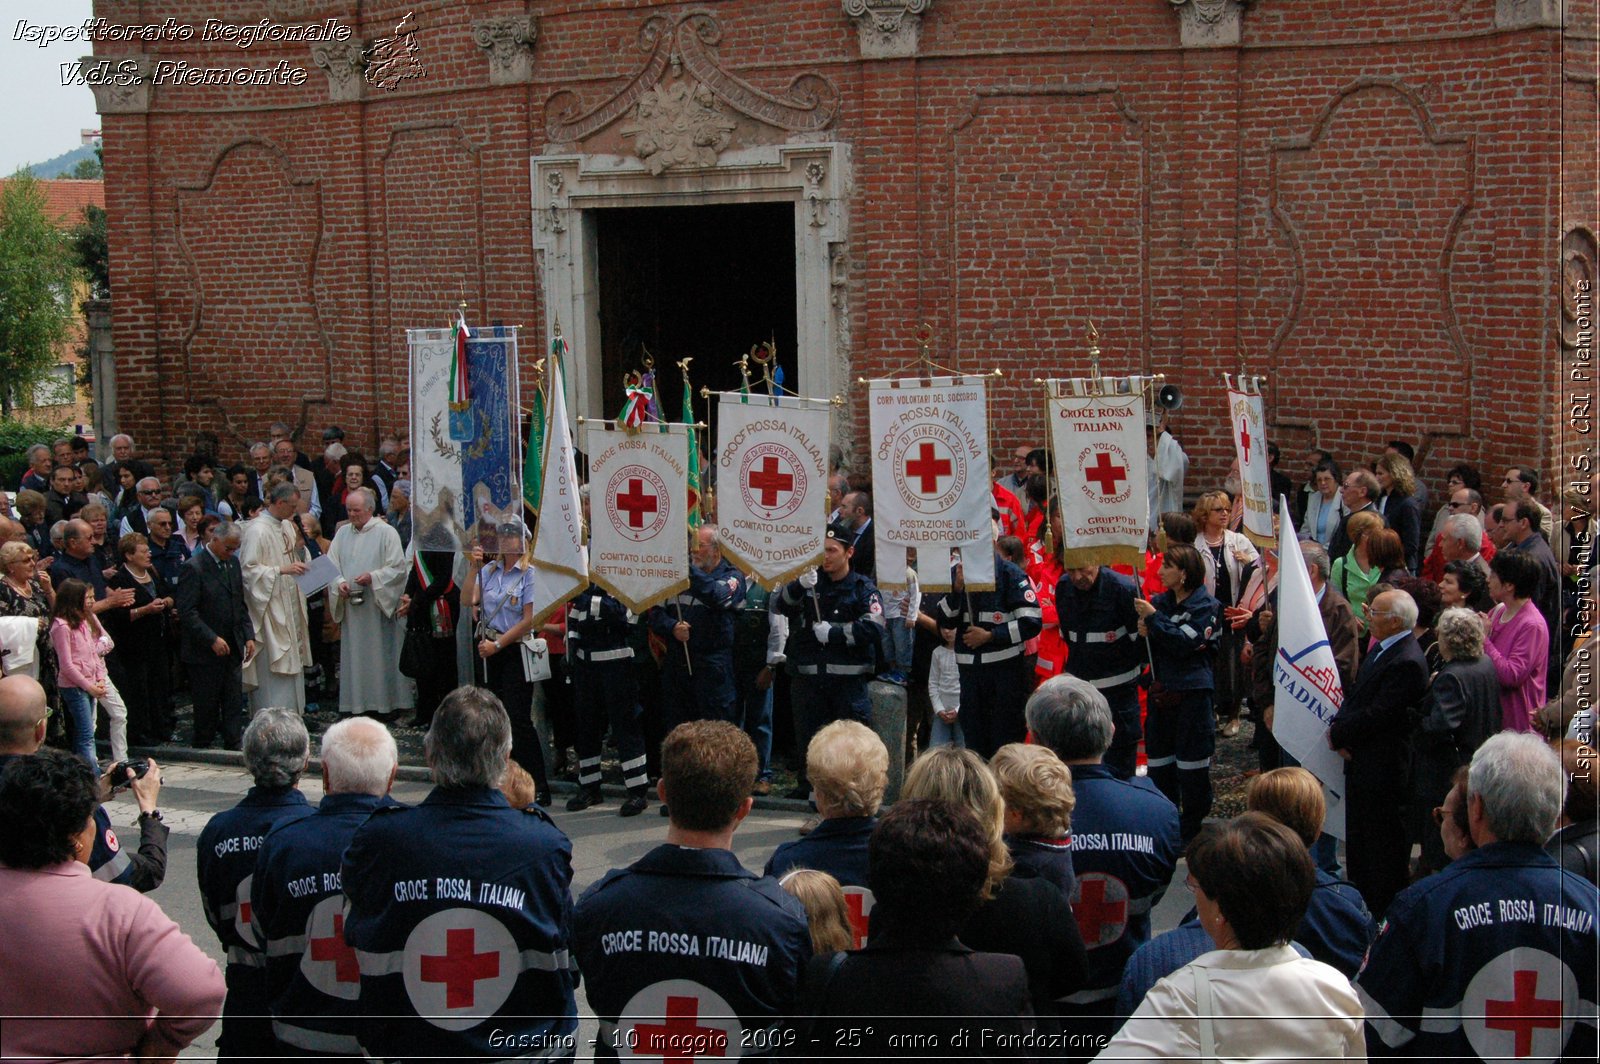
(634, 806)
(543, 798)
(585, 797)
(798, 794)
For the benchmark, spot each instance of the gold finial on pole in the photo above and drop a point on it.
(1093, 335)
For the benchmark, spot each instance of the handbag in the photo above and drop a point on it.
(415, 653)
(535, 659)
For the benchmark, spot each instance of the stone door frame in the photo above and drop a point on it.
(568, 189)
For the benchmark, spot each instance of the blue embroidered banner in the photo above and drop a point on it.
(490, 472)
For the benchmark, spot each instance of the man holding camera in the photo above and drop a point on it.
(23, 711)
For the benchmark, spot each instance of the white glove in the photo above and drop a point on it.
(808, 579)
(821, 630)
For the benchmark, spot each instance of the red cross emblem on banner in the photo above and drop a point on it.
(460, 968)
(460, 965)
(1244, 438)
(859, 901)
(928, 468)
(1103, 472)
(1101, 909)
(329, 964)
(676, 1021)
(637, 501)
(1521, 1004)
(769, 480)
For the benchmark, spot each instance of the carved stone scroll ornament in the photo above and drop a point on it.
(684, 45)
(120, 83)
(680, 124)
(1210, 23)
(509, 42)
(343, 63)
(1528, 14)
(888, 29)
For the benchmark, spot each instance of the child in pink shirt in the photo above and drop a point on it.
(81, 649)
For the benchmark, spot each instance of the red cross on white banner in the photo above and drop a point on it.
(769, 480)
(1244, 437)
(928, 468)
(1522, 1004)
(1108, 476)
(636, 501)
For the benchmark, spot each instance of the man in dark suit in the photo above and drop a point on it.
(1372, 731)
(857, 512)
(215, 636)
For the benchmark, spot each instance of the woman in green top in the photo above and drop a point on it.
(1355, 573)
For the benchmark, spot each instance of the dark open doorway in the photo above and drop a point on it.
(702, 282)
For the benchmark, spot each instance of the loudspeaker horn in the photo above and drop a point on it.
(1170, 397)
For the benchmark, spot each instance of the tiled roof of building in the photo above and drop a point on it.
(65, 200)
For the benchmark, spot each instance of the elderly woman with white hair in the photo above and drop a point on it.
(1461, 711)
(849, 769)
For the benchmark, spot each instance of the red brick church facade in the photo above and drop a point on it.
(1388, 208)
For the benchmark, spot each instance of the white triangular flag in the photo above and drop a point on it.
(1305, 677)
(558, 555)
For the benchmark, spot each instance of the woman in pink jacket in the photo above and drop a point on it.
(1517, 640)
(81, 649)
(87, 969)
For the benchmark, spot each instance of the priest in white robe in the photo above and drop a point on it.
(365, 600)
(270, 557)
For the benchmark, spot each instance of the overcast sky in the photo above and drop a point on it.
(42, 118)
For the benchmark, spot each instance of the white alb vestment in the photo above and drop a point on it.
(370, 634)
(276, 676)
(1167, 471)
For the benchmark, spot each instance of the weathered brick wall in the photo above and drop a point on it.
(1362, 201)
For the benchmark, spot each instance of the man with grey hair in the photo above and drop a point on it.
(458, 909)
(276, 748)
(1495, 956)
(40, 461)
(1462, 540)
(312, 976)
(1359, 491)
(1372, 732)
(365, 602)
(1125, 842)
(260, 464)
(137, 520)
(284, 454)
(215, 635)
(272, 555)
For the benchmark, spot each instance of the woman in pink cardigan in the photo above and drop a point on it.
(1517, 640)
(81, 649)
(87, 969)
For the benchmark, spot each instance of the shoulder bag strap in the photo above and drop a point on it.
(1203, 1012)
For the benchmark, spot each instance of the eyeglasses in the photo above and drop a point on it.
(149, 491)
(1438, 816)
(1457, 505)
(1379, 613)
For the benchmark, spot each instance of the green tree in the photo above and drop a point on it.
(38, 268)
(87, 170)
(89, 243)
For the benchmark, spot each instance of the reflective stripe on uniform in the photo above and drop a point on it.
(1107, 682)
(1096, 637)
(1190, 766)
(315, 1041)
(831, 669)
(618, 654)
(249, 958)
(113, 868)
(986, 656)
(287, 947)
(1161, 762)
(376, 964)
(589, 770)
(1190, 632)
(1394, 1034)
(633, 774)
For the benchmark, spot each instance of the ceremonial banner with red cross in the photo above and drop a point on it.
(1250, 443)
(772, 480)
(1097, 431)
(638, 502)
(930, 480)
